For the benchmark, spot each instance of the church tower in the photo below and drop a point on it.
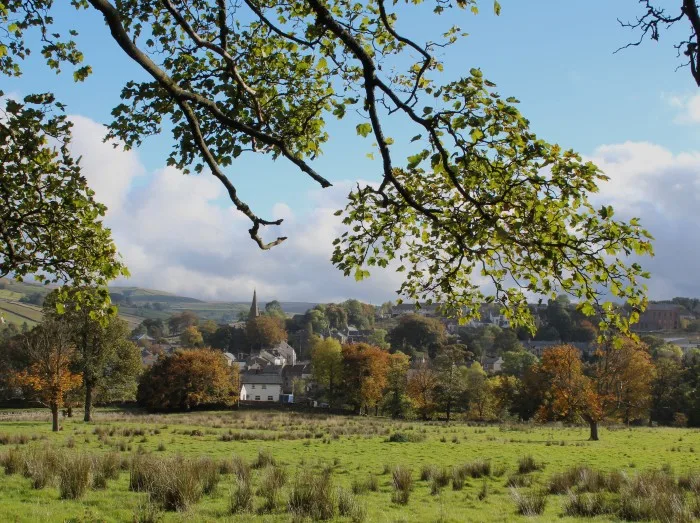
(254, 312)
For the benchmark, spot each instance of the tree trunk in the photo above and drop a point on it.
(88, 401)
(54, 418)
(594, 430)
(448, 409)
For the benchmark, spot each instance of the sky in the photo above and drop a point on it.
(631, 112)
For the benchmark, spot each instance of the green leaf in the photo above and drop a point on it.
(364, 129)
(496, 8)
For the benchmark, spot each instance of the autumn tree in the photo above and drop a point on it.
(570, 393)
(365, 370)
(228, 79)
(624, 377)
(191, 337)
(188, 379)
(421, 390)
(50, 351)
(477, 391)
(179, 322)
(265, 331)
(327, 365)
(396, 401)
(103, 352)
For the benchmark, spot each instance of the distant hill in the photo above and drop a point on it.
(135, 304)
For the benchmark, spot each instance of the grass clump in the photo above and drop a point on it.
(402, 481)
(478, 469)
(531, 503)
(74, 476)
(271, 485)
(264, 459)
(405, 437)
(13, 461)
(527, 464)
(241, 496)
(313, 496)
(586, 504)
(176, 484)
(105, 467)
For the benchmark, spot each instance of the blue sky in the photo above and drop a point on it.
(556, 57)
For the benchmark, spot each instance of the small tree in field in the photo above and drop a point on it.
(421, 389)
(48, 376)
(365, 370)
(571, 394)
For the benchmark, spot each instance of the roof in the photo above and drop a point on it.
(663, 307)
(229, 356)
(296, 370)
(263, 379)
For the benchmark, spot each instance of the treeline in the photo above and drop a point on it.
(79, 355)
(634, 382)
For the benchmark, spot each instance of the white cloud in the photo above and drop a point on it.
(663, 189)
(687, 107)
(178, 233)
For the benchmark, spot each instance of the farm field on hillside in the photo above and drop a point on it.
(358, 455)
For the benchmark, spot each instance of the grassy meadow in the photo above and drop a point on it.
(272, 466)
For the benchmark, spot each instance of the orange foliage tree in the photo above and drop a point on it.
(365, 369)
(619, 386)
(571, 394)
(48, 376)
(189, 379)
(422, 385)
(265, 331)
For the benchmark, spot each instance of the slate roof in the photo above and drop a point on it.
(263, 379)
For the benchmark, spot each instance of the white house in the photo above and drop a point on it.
(261, 387)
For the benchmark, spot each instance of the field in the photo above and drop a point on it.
(353, 452)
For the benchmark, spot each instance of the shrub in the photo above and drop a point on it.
(241, 495)
(312, 496)
(527, 464)
(74, 476)
(530, 503)
(402, 480)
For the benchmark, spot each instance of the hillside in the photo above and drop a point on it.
(135, 304)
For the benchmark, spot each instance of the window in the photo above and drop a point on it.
(264, 386)
(269, 398)
(252, 386)
(257, 398)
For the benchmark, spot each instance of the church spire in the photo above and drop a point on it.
(254, 312)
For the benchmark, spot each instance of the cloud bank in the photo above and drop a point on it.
(178, 233)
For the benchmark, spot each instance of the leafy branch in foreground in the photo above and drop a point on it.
(50, 225)
(480, 197)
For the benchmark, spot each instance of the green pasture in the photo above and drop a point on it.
(354, 447)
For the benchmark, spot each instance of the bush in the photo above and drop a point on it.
(527, 464)
(530, 503)
(241, 496)
(402, 480)
(74, 476)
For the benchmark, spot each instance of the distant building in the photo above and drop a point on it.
(261, 387)
(423, 309)
(660, 316)
(493, 364)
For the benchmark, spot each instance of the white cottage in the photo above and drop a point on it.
(261, 387)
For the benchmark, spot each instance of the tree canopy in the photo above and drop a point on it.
(479, 195)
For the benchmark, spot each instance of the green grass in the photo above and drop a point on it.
(354, 448)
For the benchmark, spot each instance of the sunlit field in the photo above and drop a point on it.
(273, 466)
